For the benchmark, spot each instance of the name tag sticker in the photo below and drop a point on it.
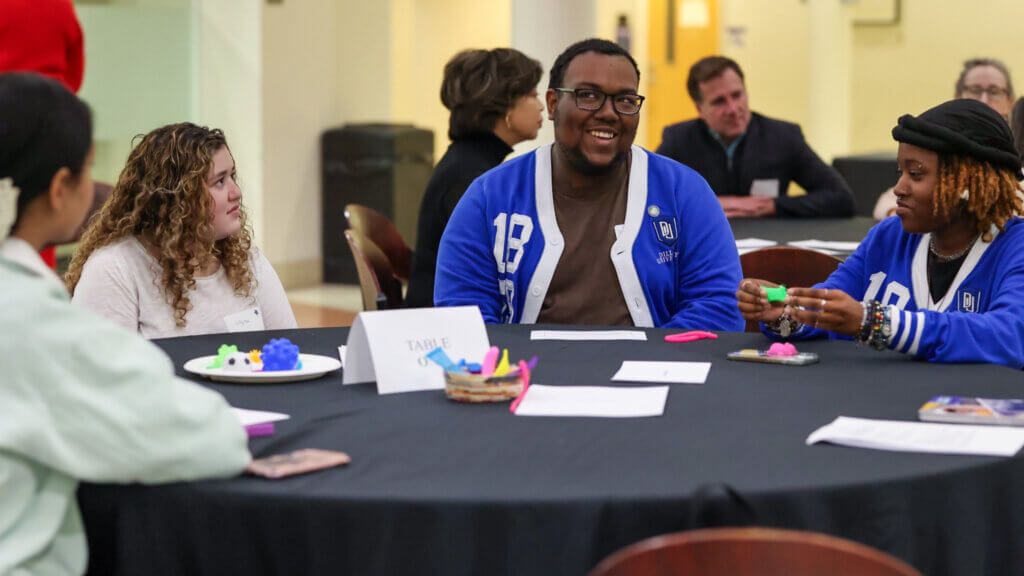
(245, 321)
(765, 188)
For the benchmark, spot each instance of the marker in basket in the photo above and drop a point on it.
(490, 360)
(526, 384)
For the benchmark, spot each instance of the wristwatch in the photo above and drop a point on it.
(783, 325)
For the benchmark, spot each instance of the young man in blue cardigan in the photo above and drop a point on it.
(592, 230)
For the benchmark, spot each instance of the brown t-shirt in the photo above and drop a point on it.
(585, 288)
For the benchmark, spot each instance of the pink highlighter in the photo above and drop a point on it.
(490, 361)
(691, 336)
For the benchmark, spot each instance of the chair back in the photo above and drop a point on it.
(787, 265)
(750, 552)
(380, 289)
(378, 228)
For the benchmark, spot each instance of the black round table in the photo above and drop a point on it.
(436, 487)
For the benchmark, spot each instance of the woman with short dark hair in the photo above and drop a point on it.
(942, 281)
(492, 95)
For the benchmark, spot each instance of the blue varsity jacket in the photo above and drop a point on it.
(675, 256)
(981, 317)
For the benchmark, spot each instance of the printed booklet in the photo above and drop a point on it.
(966, 410)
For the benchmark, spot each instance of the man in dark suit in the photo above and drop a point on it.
(749, 159)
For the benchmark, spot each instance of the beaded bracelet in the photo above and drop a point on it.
(866, 324)
(880, 328)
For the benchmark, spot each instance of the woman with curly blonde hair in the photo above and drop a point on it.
(943, 280)
(170, 253)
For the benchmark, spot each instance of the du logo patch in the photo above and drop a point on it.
(968, 301)
(666, 230)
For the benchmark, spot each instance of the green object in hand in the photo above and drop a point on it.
(777, 294)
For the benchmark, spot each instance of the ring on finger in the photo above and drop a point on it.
(822, 304)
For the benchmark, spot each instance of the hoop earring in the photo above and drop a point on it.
(507, 121)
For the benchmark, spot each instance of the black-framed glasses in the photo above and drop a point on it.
(590, 100)
(993, 91)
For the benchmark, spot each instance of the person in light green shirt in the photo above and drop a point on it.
(80, 398)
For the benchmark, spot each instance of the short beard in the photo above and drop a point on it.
(578, 162)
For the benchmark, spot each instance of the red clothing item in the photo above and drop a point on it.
(42, 36)
(49, 255)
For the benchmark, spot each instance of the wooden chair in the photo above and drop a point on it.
(787, 265)
(381, 290)
(383, 233)
(750, 552)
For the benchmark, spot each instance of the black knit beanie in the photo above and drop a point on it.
(965, 127)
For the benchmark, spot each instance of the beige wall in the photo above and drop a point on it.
(847, 97)
(912, 67)
(771, 41)
(325, 63)
(361, 71)
(425, 34)
(299, 64)
(230, 90)
(330, 62)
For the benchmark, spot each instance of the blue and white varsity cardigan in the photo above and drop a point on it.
(981, 317)
(675, 256)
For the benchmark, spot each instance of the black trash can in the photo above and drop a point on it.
(383, 166)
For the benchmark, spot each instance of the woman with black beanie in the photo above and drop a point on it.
(943, 280)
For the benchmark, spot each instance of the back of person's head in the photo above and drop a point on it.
(163, 198)
(707, 69)
(481, 86)
(1017, 125)
(979, 167)
(597, 45)
(43, 128)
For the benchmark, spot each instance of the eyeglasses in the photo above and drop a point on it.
(590, 100)
(992, 91)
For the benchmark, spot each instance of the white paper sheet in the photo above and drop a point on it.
(593, 401)
(754, 243)
(902, 436)
(588, 335)
(825, 245)
(665, 372)
(250, 417)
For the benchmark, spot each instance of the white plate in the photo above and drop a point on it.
(313, 366)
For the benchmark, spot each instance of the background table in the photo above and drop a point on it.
(783, 230)
(436, 487)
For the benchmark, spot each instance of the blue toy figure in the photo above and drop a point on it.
(281, 354)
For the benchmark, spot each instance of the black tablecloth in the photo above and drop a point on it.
(783, 230)
(436, 487)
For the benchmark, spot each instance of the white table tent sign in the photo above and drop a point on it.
(390, 346)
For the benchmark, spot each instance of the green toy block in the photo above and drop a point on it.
(777, 294)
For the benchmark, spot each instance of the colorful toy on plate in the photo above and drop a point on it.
(276, 356)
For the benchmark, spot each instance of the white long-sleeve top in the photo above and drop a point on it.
(81, 399)
(121, 282)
